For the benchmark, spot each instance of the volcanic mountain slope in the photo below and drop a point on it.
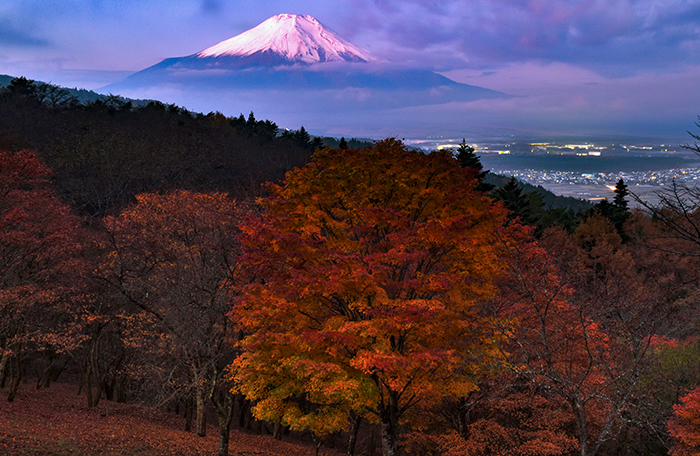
(290, 58)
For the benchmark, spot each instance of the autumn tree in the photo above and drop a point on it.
(618, 297)
(509, 414)
(559, 348)
(676, 371)
(174, 259)
(684, 424)
(677, 208)
(678, 212)
(373, 263)
(514, 416)
(39, 258)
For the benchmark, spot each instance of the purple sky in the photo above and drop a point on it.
(579, 66)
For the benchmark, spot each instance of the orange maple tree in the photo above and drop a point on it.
(39, 253)
(372, 265)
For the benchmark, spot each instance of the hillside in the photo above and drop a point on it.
(105, 151)
(550, 200)
(57, 422)
(83, 96)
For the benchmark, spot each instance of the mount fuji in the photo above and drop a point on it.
(291, 66)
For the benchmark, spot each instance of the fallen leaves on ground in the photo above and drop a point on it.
(57, 422)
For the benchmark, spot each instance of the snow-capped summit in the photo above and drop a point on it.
(289, 38)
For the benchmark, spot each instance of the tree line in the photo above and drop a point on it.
(103, 152)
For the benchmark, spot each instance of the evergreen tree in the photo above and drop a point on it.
(303, 136)
(251, 119)
(620, 211)
(621, 193)
(22, 86)
(527, 207)
(616, 212)
(343, 143)
(468, 159)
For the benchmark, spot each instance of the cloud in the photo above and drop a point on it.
(13, 36)
(613, 37)
(211, 6)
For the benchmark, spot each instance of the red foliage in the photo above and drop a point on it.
(551, 341)
(39, 260)
(21, 170)
(684, 425)
(657, 342)
(174, 259)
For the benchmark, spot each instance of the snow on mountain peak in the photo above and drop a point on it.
(294, 37)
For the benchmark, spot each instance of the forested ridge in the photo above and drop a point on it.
(366, 300)
(104, 152)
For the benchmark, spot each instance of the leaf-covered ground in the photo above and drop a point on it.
(57, 422)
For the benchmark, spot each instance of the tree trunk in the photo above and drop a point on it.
(122, 385)
(92, 366)
(3, 365)
(277, 429)
(95, 361)
(201, 417)
(188, 413)
(356, 420)
(318, 441)
(225, 414)
(389, 418)
(224, 435)
(88, 383)
(14, 387)
(243, 411)
(44, 380)
(582, 424)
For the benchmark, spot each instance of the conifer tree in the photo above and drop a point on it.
(468, 159)
(527, 207)
(620, 211)
(616, 212)
(621, 192)
(303, 136)
(22, 86)
(251, 119)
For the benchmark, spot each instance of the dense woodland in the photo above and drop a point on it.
(373, 299)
